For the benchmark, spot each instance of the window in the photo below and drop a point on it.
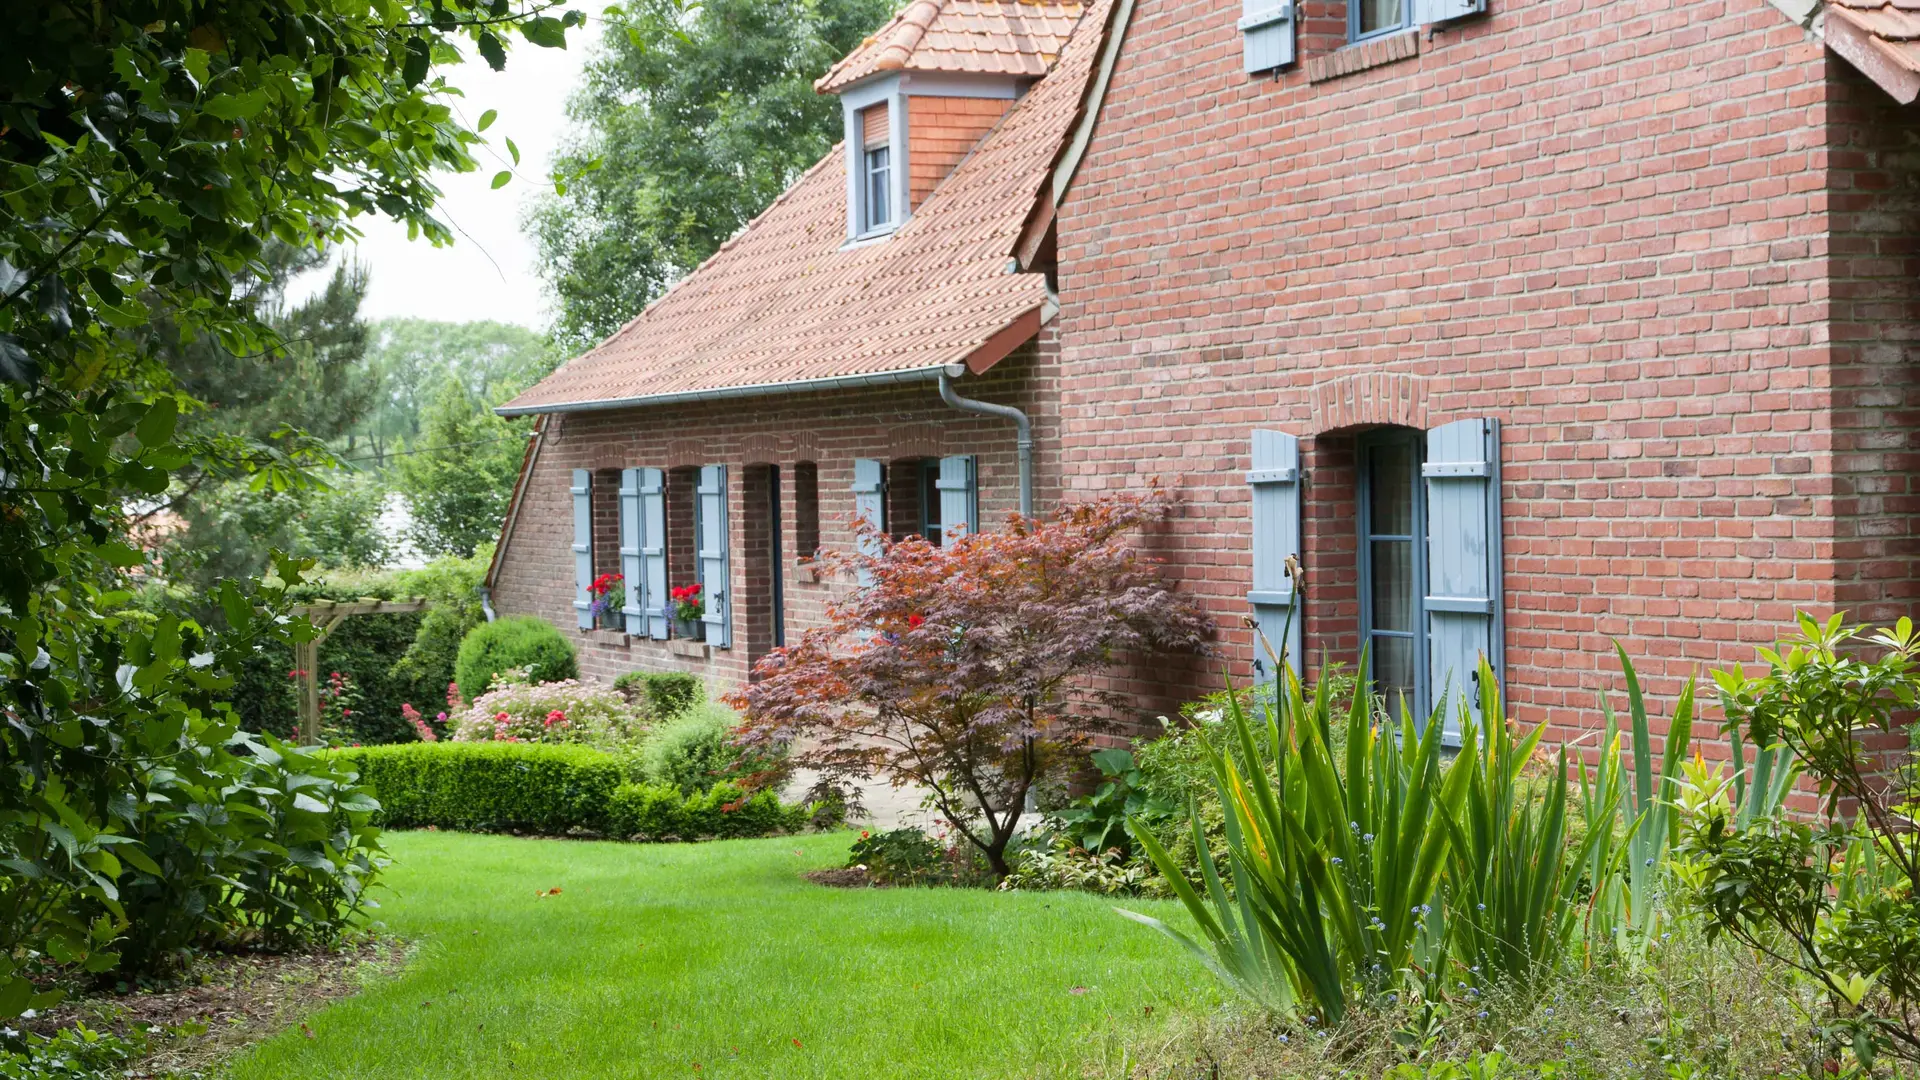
(879, 180)
(683, 564)
(930, 500)
(876, 168)
(1374, 17)
(806, 509)
(1393, 567)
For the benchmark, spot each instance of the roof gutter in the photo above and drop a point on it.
(721, 393)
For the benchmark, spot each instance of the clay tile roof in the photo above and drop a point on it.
(787, 301)
(1882, 38)
(999, 37)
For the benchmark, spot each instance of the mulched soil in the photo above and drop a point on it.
(226, 1001)
(842, 877)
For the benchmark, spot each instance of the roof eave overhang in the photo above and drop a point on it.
(995, 348)
(1873, 57)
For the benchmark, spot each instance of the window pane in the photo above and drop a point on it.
(1392, 585)
(878, 212)
(1379, 15)
(1390, 474)
(1392, 662)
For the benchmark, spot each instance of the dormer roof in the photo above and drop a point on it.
(788, 302)
(1021, 38)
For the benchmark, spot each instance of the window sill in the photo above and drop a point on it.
(690, 650)
(872, 236)
(617, 639)
(807, 575)
(1372, 53)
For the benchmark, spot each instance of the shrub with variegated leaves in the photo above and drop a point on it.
(568, 711)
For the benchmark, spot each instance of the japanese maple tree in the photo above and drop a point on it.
(967, 669)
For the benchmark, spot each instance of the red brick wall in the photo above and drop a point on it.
(831, 429)
(1607, 225)
(1874, 192)
(940, 132)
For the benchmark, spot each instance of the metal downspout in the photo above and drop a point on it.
(1023, 426)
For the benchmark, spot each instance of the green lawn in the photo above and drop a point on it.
(655, 957)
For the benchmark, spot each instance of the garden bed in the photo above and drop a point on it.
(225, 1001)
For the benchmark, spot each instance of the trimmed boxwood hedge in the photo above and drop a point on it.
(553, 790)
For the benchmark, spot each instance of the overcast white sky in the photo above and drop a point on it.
(488, 273)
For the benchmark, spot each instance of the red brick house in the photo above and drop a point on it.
(1525, 328)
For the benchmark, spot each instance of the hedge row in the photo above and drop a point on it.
(554, 790)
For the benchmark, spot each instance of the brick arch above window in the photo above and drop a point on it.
(916, 440)
(604, 455)
(682, 453)
(1369, 398)
(761, 448)
(802, 446)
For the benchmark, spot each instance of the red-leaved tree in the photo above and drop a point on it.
(967, 669)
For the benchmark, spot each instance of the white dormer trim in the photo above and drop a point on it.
(854, 100)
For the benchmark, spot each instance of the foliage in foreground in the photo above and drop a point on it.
(962, 668)
(1837, 900)
(150, 151)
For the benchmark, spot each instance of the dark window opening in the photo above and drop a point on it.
(683, 564)
(605, 496)
(806, 510)
(930, 500)
(1393, 567)
(1374, 17)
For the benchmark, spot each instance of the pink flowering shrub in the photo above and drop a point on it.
(558, 712)
(420, 725)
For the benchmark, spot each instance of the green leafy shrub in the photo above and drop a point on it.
(555, 712)
(664, 694)
(724, 811)
(1054, 861)
(696, 749)
(452, 586)
(1838, 901)
(490, 787)
(516, 641)
(910, 856)
(280, 854)
(556, 791)
(1098, 821)
(75, 1053)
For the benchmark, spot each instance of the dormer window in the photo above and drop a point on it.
(876, 166)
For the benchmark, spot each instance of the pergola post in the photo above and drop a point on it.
(327, 615)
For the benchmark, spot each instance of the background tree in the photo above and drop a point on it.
(458, 480)
(693, 118)
(411, 358)
(213, 522)
(966, 668)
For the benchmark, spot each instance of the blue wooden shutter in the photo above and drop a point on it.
(653, 551)
(1275, 483)
(959, 505)
(869, 506)
(582, 491)
(1267, 34)
(1463, 605)
(711, 526)
(1427, 12)
(632, 538)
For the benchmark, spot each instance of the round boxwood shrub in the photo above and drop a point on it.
(517, 641)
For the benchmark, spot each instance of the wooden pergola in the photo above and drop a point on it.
(327, 615)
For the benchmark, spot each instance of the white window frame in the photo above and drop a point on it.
(891, 92)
